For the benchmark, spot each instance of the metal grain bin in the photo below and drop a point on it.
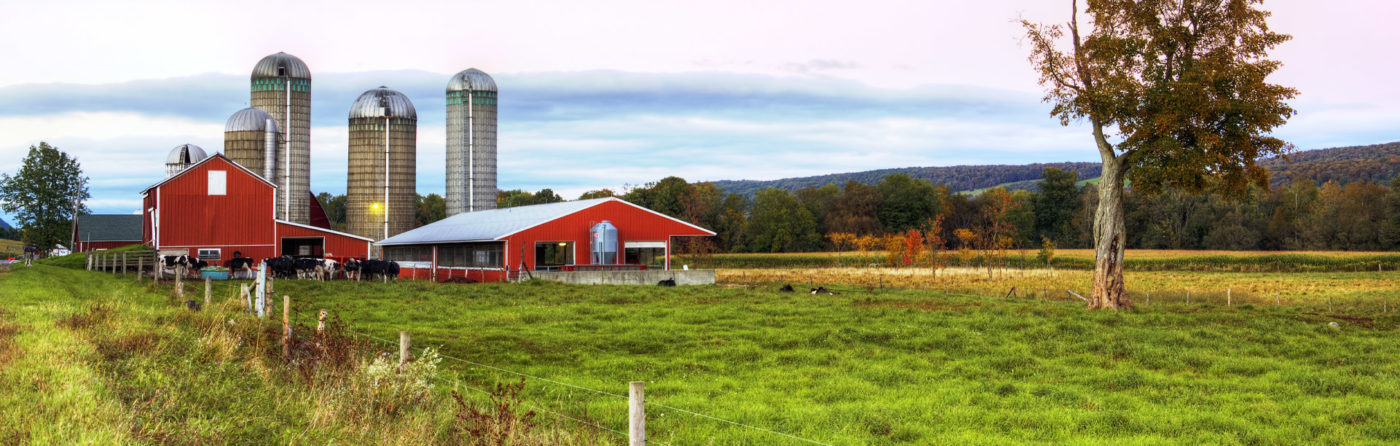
(281, 86)
(383, 132)
(248, 136)
(471, 142)
(182, 156)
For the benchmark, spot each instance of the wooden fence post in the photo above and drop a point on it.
(1277, 300)
(246, 297)
(403, 348)
(123, 263)
(140, 267)
(286, 326)
(636, 415)
(88, 258)
(207, 286)
(180, 281)
(1229, 302)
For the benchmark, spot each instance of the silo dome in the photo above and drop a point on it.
(372, 104)
(183, 156)
(250, 120)
(471, 79)
(281, 65)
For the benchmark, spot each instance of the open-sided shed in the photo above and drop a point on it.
(490, 245)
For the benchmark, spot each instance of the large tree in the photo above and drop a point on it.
(45, 194)
(1176, 94)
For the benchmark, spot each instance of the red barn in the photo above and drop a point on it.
(216, 207)
(94, 232)
(487, 245)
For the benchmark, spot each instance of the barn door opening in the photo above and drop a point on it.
(304, 246)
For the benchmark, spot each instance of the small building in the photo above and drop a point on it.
(216, 208)
(106, 231)
(494, 245)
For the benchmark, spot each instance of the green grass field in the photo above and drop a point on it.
(1083, 259)
(892, 367)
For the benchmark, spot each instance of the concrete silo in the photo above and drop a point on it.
(471, 142)
(252, 140)
(183, 156)
(381, 191)
(282, 88)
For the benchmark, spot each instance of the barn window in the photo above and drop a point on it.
(209, 254)
(218, 182)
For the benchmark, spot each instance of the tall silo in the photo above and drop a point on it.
(282, 87)
(383, 138)
(251, 139)
(471, 142)
(181, 157)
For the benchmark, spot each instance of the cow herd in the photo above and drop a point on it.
(288, 267)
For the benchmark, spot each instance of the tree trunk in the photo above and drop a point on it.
(1109, 240)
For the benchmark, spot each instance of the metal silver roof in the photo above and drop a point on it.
(471, 79)
(185, 154)
(292, 67)
(371, 104)
(249, 119)
(496, 224)
(109, 228)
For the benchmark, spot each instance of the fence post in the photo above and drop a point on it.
(1229, 301)
(180, 281)
(636, 415)
(88, 258)
(403, 348)
(286, 326)
(123, 263)
(207, 286)
(1149, 298)
(140, 267)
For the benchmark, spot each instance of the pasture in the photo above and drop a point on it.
(893, 365)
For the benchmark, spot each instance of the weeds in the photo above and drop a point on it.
(497, 425)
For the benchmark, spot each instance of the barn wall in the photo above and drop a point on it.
(633, 224)
(191, 218)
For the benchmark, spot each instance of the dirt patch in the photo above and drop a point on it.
(7, 339)
(95, 314)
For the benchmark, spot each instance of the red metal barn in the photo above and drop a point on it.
(489, 246)
(216, 208)
(106, 231)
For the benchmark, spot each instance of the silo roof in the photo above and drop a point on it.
(250, 119)
(185, 154)
(291, 65)
(471, 79)
(372, 103)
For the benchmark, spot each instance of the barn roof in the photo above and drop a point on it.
(210, 158)
(497, 224)
(109, 228)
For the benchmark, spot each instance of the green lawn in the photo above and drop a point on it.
(91, 358)
(900, 368)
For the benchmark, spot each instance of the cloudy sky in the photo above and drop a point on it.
(611, 93)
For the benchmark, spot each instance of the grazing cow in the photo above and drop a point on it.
(667, 282)
(785, 289)
(242, 265)
(284, 267)
(379, 268)
(327, 269)
(823, 290)
(352, 268)
(306, 267)
(175, 265)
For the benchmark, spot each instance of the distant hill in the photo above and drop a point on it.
(959, 178)
(1374, 163)
(4, 225)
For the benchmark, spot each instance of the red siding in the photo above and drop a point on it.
(633, 225)
(191, 218)
(336, 245)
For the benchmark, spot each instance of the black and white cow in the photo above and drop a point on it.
(242, 266)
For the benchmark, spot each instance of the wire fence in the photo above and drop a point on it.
(391, 343)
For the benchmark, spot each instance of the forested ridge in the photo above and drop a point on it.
(1373, 163)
